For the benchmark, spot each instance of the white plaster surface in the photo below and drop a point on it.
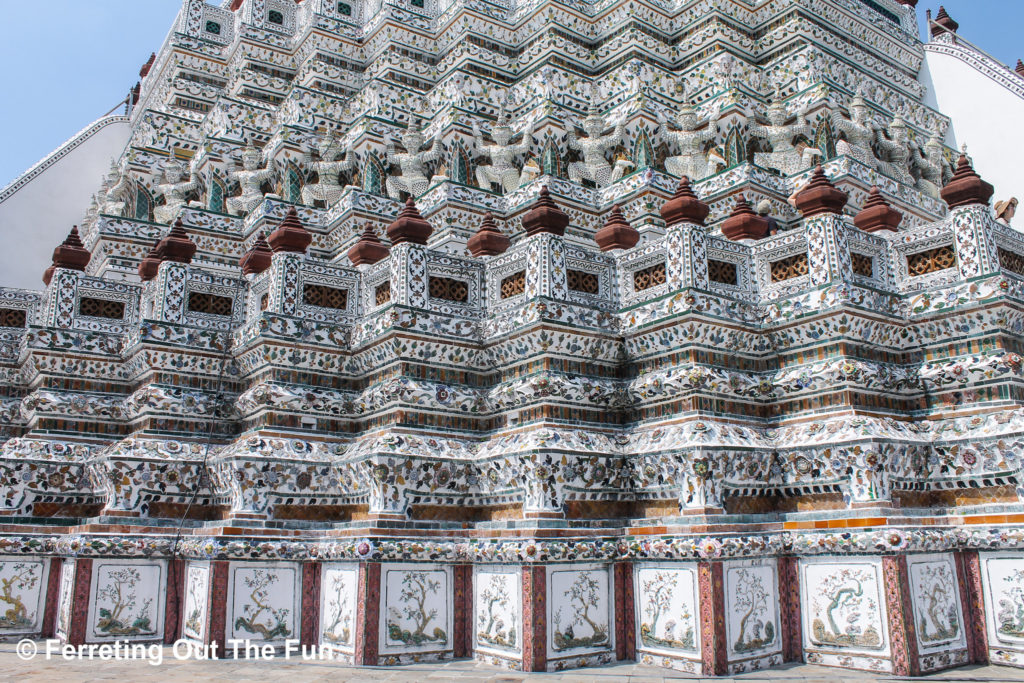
(37, 217)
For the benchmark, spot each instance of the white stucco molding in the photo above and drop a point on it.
(56, 155)
(981, 62)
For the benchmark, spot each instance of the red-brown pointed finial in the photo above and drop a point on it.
(488, 240)
(545, 216)
(290, 235)
(70, 254)
(617, 233)
(258, 258)
(368, 249)
(684, 206)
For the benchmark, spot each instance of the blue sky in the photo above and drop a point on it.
(67, 62)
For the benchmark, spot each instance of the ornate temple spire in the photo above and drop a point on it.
(177, 246)
(617, 233)
(966, 187)
(1019, 68)
(369, 249)
(545, 216)
(945, 21)
(877, 214)
(410, 226)
(684, 206)
(743, 223)
(820, 196)
(258, 258)
(70, 254)
(488, 240)
(290, 235)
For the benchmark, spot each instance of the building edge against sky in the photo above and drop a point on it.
(547, 334)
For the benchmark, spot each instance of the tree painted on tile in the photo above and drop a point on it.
(273, 624)
(119, 617)
(659, 593)
(12, 593)
(197, 587)
(939, 620)
(757, 627)
(1011, 606)
(584, 595)
(339, 630)
(492, 628)
(417, 589)
(849, 612)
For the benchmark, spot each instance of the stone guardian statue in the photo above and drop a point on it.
(594, 146)
(691, 161)
(175, 190)
(784, 157)
(859, 131)
(900, 151)
(502, 170)
(116, 196)
(327, 188)
(250, 179)
(413, 179)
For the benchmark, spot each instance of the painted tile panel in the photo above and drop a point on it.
(1004, 598)
(667, 612)
(579, 610)
(65, 601)
(127, 600)
(339, 585)
(752, 611)
(22, 594)
(844, 609)
(263, 602)
(417, 614)
(197, 595)
(498, 611)
(938, 617)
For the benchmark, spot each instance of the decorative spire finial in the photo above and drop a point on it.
(743, 223)
(684, 206)
(177, 246)
(488, 240)
(617, 233)
(410, 226)
(369, 249)
(290, 235)
(820, 196)
(70, 254)
(966, 187)
(877, 214)
(545, 216)
(258, 258)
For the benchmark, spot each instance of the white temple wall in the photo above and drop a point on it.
(54, 195)
(985, 115)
